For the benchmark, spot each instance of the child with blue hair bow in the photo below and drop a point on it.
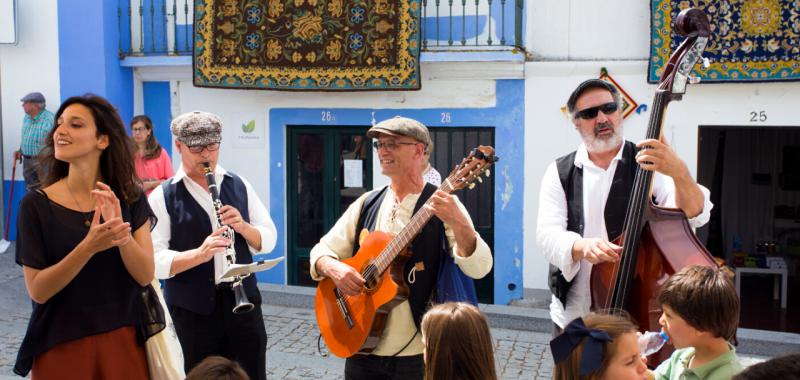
(598, 347)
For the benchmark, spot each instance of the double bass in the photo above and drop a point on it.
(656, 241)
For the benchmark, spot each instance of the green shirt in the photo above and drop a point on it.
(677, 367)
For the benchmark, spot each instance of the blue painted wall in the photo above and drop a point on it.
(88, 43)
(507, 117)
(157, 107)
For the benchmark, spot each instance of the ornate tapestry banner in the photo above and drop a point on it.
(329, 45)
(751, 40)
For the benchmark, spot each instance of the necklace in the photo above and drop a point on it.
(86, 221)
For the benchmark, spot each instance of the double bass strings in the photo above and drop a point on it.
(634, 216)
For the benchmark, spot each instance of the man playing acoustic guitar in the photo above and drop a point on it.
(401, 144)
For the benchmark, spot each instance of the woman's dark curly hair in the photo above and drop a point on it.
(116, 165)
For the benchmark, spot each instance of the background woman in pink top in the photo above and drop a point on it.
(152, 162)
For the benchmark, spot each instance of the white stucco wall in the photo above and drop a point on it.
(549, 134)
(31, 65)
(587, 30)
(439, 90)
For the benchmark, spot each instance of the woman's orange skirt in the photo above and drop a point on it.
(111, 355)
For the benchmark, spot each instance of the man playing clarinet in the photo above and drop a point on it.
(189, 252)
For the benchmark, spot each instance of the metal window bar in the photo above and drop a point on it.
(175, 26)
(450, 39)
(186, 22)
(503, 22)
(141, 26)
(164, 19)
(152, 26)
(424, 17)
(463, 22)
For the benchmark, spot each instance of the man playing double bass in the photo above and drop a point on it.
(401, 145)
(584, 196)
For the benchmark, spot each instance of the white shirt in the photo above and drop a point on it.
(259, 219)
(392, 217)
(555, 241)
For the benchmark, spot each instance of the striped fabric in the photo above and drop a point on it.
(34, 131)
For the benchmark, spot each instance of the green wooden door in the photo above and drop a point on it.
(328, 168)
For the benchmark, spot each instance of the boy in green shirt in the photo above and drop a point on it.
(700, 314)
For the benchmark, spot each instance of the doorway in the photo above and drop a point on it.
(327, 169)
(754, 180)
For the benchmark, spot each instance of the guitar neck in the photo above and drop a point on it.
(408, 233)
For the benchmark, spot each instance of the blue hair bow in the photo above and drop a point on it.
(592, 358)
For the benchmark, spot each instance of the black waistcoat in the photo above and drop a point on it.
(571, 178)
(194, 289)
(427, 247)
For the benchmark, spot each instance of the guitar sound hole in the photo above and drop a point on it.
(370, 275)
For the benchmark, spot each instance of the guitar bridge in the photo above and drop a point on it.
(342, 304)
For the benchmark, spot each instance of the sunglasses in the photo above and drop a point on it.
(199, 148)
(591, 113)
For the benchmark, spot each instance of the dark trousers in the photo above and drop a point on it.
(239, 337)
(372, 367)
(30, 171)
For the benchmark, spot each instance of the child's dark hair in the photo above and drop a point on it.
(784, 368)
(217, 368)
(705, 298)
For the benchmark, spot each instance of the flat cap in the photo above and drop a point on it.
(197, 128)
(33, 97)
(402, 126)
(588, 85)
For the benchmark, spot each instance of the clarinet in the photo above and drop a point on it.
(243, 305)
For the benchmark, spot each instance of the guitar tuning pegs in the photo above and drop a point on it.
(488, 172)
(471, 186)
(479, 179)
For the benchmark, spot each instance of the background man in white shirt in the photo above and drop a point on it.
(189, 252)
(584, 196)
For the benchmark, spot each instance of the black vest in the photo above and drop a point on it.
(194, 289)
(427, 247)
(571, 178)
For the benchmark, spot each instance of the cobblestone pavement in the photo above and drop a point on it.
(292, 346)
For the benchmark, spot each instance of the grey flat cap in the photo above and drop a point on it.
(197, 128)
(402, 126)
(33, 97)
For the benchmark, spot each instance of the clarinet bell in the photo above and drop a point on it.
(243, 305)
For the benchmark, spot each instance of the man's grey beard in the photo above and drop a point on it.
(597, 144)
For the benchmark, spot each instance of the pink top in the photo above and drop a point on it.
(159, 168)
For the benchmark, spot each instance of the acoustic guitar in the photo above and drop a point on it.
(354, 324)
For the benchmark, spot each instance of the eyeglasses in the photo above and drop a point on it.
(391, 145)
(138, 130)
(199, 148)
(591, 113)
